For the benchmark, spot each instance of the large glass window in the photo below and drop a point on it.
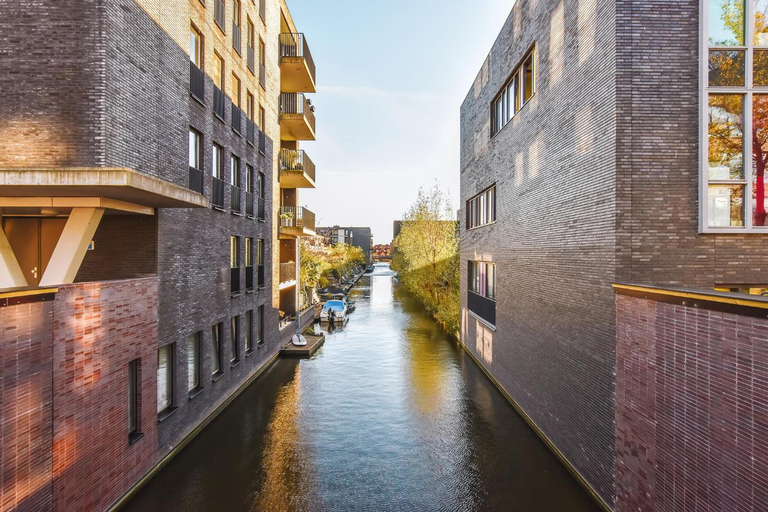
(482, 278)
(481, 209)
(234, 171)
(516, 92)
(196, 47)
(216, 349)
(195, 149)
(164, 378)
(194, 345)
(217, 161)
(735, 178)
(234, 339)
(218, 71)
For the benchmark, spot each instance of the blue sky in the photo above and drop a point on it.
(391, 78)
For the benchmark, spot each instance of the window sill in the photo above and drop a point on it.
(262, 220)
(237, 132)
(235, 294)
(216, 376)
(199, 100)
(261, 345)
(482, 321)
(249, 353)
(235, 212)
(167, 413)
(248, 216)
(218, 208)
(196, 391)
(249, 290)
(134, 437)
(235, 364)
(480, 226)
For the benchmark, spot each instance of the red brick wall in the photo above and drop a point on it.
(98, 329)
(25, 404)
(691, 408)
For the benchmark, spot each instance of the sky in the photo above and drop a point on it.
(391, 79)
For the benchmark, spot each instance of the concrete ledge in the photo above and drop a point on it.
(313, 345)
(738, 303)
(113, 183)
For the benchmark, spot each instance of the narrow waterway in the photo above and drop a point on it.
(389, 415)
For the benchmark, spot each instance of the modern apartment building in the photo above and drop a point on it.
(138, 295)
(618, 147)
(356, 236)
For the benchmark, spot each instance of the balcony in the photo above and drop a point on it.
(196, 82)
(297, 117)
(237, 119)
(482, 307)
(234, 205)
(236, 38)
(287, 273)
(217, 199)
(196, 180)
(219, 103)
(297, 68)
(296, 222)
(249, 205)
(296, 169)
(262, 208)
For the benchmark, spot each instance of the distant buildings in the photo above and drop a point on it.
(382, 252)
(356, 236)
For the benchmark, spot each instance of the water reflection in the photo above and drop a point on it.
(388, 415)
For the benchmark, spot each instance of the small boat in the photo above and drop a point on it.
(334, 310)
(370, 269)
(299, 340)
(351, 305)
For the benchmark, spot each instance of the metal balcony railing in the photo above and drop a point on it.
(262, 143)
(295, 45)
(219, 13)
(482, 307)
(237, 119)
(196, 180)
(219, 103)
(248, 278)
(260, 276)
(234, 280)
(235, 200)
(196, 82)
(261, 210)
(297, 160)
(217, 198)
(251, 51)
(236, 38)
(287, 272)
(297, 103)
(293, 217)
(249, 205)
(250, 132)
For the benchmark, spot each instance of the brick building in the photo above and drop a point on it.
(148, 292)
(357, 236)
(603, 142)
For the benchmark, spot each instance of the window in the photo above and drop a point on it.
(234, 339)
(260, 252)
(249, 179)
(234, 251)
(481, 209)
(734, 178)
(196, 47)
(236, 99)
(134, 393)
(250, 33)
(262, 53)
(248, 332)
(259, 333)
(482, 279)
(218, 71)
(518, 90)
(217, 163)
(164, 378)
(194, 349)
(250, 103)
(234, 167)
(236, 12)
(216, 349)
(260, 184)
(195, 149)
(249, 252)
(262, 118)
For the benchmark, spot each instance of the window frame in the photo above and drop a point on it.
(200, 54)
(197, 340)
(747, 91)
(217, 165)
(134, 401)
(259, 331)
(473, 214)
(248, 320)
(171, 388)
(216, 330)
(517, 77)
(234, 340)
(479, 287)
(234, 170)
(200, 152)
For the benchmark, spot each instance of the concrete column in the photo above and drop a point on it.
(11, 275)
(72, 246)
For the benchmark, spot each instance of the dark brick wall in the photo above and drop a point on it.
(553, 243)
(691, 408)
(26, 431)
(49, 53)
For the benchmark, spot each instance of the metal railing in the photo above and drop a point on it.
(249, 205)
(482, 307)
(295, 45)
(196, 180)
(248, 278)
(217, 197)
(293, 217)
(219, 13)
(250, 132)
(262, 143)
(252, 59)
(297, 103)
(234, 280)
(236, 38)
(297, 160)
(260, 276)
(287, 272)
(261, 210)
(219, 103)
(263, 76)
(196, 82)
(237, 118)
(234, 205)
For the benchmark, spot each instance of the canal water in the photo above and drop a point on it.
(389, 415)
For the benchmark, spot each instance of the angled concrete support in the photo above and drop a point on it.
(11, 275)
(72, 246)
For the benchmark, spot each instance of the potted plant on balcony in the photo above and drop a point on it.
(286, 218)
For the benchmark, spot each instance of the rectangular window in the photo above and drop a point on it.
(249, 331)
(218, 71)
(259, 329)
(234, 168)
(134, 387)
(260, 184)
(482, 279)
(234, 339)
(250, 34)
(217, 162)
(262, 53)
(195, 149)
(236, 99)
(250, 105)
(236, 12)
(164, 378)
(216, 349)
(194, 349)
(260, 252)
(515, 93)
(249, 179)
(262, 118)
(734, 177)
(481, 209)
(249, 252)
(234, 252)
(196, 47)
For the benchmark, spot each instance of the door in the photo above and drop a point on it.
(33, 242)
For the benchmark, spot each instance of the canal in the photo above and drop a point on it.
(389, 415)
